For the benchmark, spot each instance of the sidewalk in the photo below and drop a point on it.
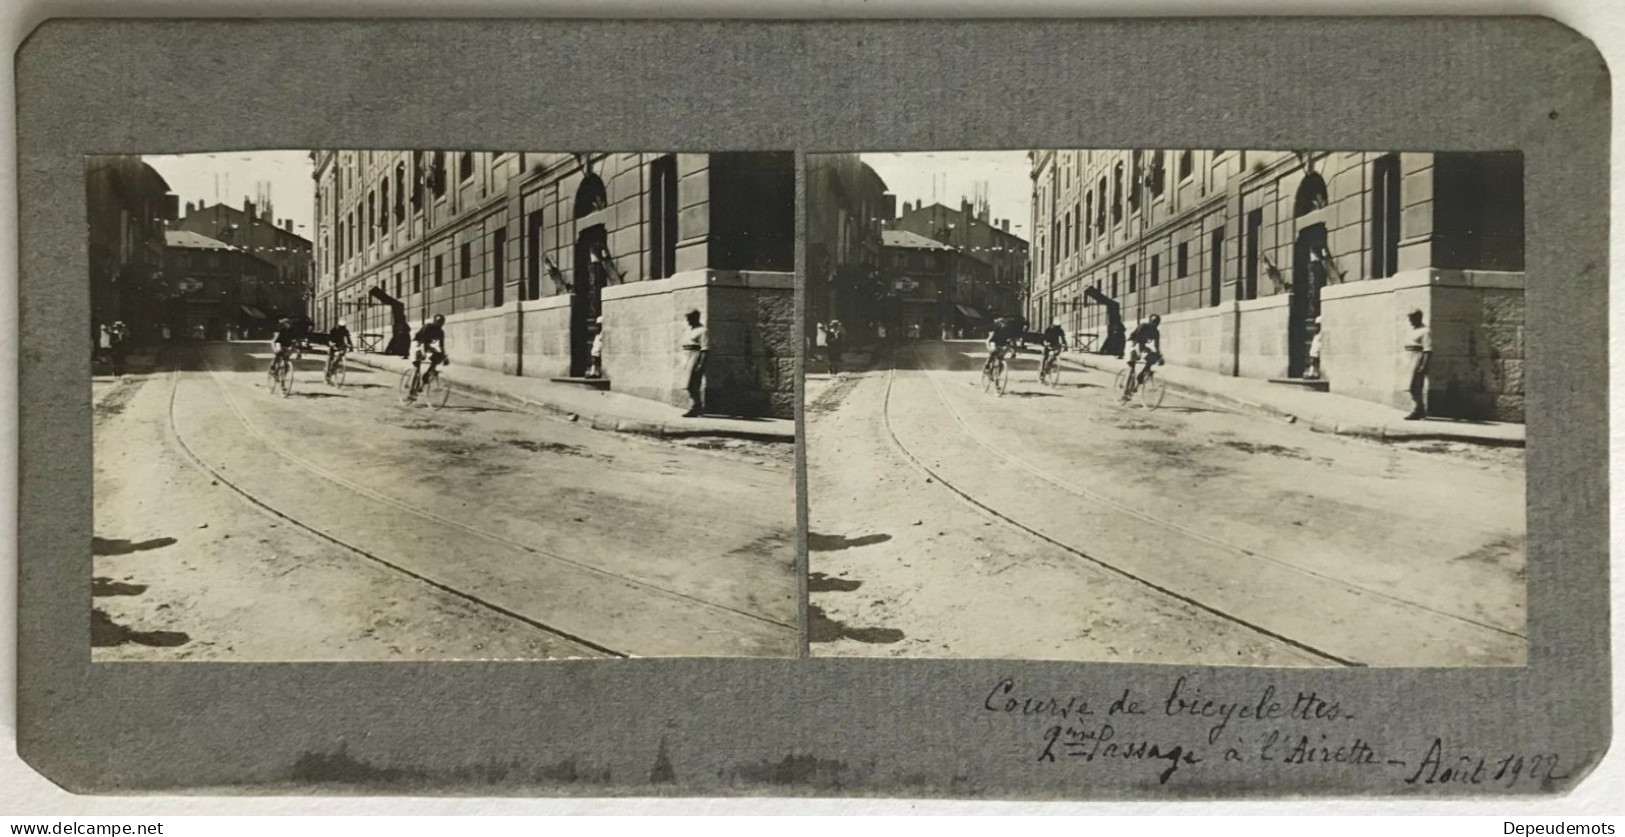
(1324, 411)
(602, 410)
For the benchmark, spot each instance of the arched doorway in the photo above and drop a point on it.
(590, 273)
(1308, 273)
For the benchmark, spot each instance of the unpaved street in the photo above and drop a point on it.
(1058, 524)
(336, 524)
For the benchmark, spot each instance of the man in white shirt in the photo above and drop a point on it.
(1419, 346)
(696, 344)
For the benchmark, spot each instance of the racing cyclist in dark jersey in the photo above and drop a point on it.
(431, 343)
(1054, 344)
(1000, 341)
(1145, 345)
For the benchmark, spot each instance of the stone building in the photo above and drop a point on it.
(936, 290)
(255, 229)
(523, 251)
(128, 205)
(971, 231)
(1243, 253)
(847, 203)
(226, 290)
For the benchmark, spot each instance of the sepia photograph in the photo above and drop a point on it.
(422, 405)
(1197, 407)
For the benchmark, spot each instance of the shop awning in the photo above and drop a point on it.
(253, 313)
(969, 312)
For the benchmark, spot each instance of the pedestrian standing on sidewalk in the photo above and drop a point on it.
(837, 340)
(696, 344)
(1419, 348)
(596, 370)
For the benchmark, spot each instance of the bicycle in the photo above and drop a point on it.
(417, 382)
(280, 376)
(1148, 388)
(995, 373)
(335, 368)
(1049, 369)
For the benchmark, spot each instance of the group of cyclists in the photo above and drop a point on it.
(291, 339)
(1144, 349)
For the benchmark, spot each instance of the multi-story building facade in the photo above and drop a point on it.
(935, 289)
(128, 204)
(1246, 254)
(255, 230)
(847, 203)
(522, 252)
(226, 290)
(970, 230)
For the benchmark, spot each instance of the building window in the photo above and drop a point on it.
(1156, 270)
(1077, 231)
(1114, 284)
(1133, 278)
(1066, 242)
(1088, 222)
(663, 217)
(1215, 258)
(499, 264)
(1182, 265)
(465, 166)
(1255, 226)
(417, 180)
(372, 216)
(466, 260)
(533, 255)
(417, 278)
(383, 203)
(397, 286)
(349, 250)
(439, 270)
(1385, 214)
(400, 193)
(437, 173)
(1117, 193)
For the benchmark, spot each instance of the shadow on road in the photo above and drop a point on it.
(835, 543)
(820, 583)
(1026, 394)
(108, 546)
(105, 633)
(821, 628)
(101, 586)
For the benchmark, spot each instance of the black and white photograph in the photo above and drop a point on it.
(372, 405)
(1196, 407)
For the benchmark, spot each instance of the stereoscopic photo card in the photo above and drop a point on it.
(1052, 409)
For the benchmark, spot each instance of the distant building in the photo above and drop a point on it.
(1241, 252)
(128, 205)
(971, 231)
(522, 251)
(226, 290)
(847, 203)
(255, 230)
(934, 287)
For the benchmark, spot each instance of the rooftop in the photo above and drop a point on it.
(193, 241)
(903, 238)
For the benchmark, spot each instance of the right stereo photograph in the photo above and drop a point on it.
(1198, 407)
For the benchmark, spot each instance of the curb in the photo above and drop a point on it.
(1364, 431)
(597, 421)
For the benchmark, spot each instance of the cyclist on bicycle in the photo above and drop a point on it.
(1145, 344)
(1000, 341)
(431, 343)
(1054, 344)
(338, 344)
(284, 342)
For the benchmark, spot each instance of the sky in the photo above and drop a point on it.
(945, 177)
(229, 177)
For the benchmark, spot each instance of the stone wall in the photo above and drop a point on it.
(1363, 330)
(1262, 325)
(1478, 345)
(1203, 338)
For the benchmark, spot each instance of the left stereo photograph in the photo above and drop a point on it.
(443, 405)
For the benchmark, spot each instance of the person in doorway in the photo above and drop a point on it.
(1313, 372)
(120, 336)
(1419, 350)
(596, 368)
(696, 344)
(104, 345)
(837, 341)
(820, 341)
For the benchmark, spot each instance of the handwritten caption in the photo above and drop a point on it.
(1291, 728)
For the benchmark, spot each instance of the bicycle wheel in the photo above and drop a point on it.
(286, 379)
(407, 395)
(335, 374)
(1151, 392)
(1051, 375)
(271, 382)
(1120, 386)
(435, 391)
(987, 378)
(1001, 376)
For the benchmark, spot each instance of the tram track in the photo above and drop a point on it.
(1144, 521)
(597, 646)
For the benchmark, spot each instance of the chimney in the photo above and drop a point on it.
(908, 206)
(287, 224)
(1005, 225)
